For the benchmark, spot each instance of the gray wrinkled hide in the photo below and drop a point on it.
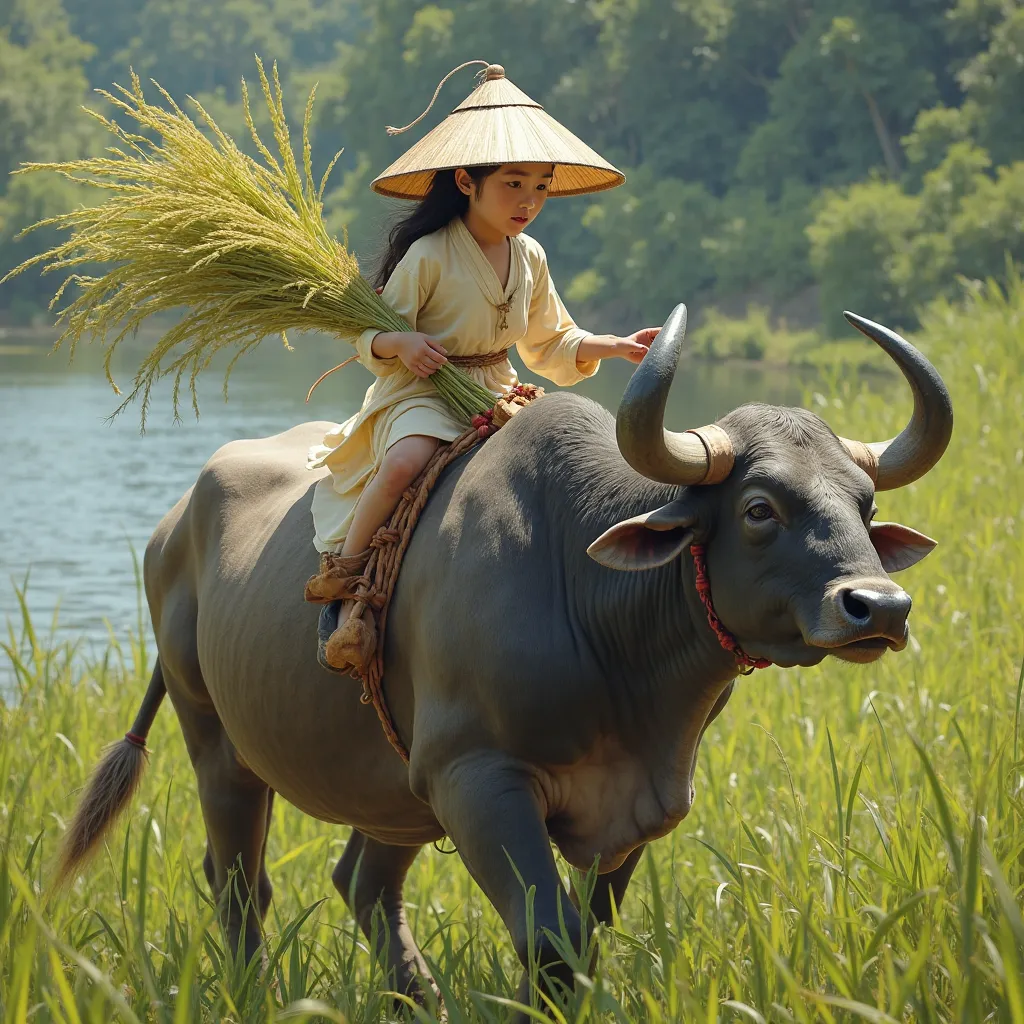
(539, 692)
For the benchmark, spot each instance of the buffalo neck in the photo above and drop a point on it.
(646, 630)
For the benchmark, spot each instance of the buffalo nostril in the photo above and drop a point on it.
(885, 610)
(857, 609)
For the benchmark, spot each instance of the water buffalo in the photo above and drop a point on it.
(542, 692)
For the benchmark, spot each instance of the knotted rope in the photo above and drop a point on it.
(369, 578)
(725, 638)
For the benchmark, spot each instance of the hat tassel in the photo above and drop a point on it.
(412, 124)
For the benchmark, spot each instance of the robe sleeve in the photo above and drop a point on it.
(404, 291)
(552, 338)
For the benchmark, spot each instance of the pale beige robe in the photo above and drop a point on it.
(445, 287)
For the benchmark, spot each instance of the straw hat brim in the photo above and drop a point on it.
(479, 135)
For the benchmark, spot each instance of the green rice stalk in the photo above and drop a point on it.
(190, 221)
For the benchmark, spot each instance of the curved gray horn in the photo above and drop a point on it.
(701, 456)
(922, 441)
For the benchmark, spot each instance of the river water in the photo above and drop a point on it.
(78, 493)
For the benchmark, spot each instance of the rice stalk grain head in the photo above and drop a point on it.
(234, 247)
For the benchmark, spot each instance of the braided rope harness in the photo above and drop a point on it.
(369, 578)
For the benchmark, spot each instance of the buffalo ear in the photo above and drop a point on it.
(646, 541)
(899, 547)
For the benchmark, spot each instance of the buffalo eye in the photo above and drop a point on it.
(760, 512)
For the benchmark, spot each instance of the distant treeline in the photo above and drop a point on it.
(871, 148)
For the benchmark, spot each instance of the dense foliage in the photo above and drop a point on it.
(867, 151)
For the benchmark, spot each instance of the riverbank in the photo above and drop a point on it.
(751, 341)
(745, 331)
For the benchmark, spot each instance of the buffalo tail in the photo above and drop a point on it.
(111, 786)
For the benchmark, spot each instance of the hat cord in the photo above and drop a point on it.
(398, 131)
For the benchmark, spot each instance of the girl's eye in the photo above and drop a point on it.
(542, 188)
(514, 184)
(760, 512)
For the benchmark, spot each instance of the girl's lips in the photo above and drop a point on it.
(520, 220)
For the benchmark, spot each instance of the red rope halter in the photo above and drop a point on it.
(725, 638)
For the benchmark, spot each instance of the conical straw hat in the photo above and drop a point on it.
(496, 124)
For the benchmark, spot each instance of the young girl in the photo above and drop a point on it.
(471, 284)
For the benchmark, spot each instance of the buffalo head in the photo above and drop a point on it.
(785, 508)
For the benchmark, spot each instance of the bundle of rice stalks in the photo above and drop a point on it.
(191, 222)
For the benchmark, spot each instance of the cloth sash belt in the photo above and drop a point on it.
(484, 359)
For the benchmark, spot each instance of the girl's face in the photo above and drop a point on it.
(510, 198)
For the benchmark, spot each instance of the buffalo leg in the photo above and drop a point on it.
(265, 888)
(490, 810)
(236, 810)
(371, 875)
(609, 888)
(612, 887)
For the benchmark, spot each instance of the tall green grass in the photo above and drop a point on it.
(855, 851)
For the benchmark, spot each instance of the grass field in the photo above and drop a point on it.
(855, 851)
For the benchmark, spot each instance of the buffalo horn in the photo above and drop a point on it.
(700, 456)
(920, 445)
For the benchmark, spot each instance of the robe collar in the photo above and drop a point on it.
(480, 267)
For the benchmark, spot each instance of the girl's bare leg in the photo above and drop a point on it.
(403, 462)
(350, 645)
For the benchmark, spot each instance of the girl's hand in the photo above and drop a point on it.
(635, 347)
(607, 346)
(422, 355)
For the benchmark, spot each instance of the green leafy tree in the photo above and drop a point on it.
(759, 246)
(192, 46)
(42, 85)
(994, 83)
(896, 252)
(745, 125)
(935, 131)
(855, 240)
(989, 226)
(851, 84)
(649, 252)
(927, 267)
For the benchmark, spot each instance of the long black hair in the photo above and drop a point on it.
(439, 207)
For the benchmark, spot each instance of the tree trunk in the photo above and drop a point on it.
(889, 150)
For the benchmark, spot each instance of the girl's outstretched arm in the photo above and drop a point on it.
(608, 346)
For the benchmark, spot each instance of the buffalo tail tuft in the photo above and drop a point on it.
(111, 786)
